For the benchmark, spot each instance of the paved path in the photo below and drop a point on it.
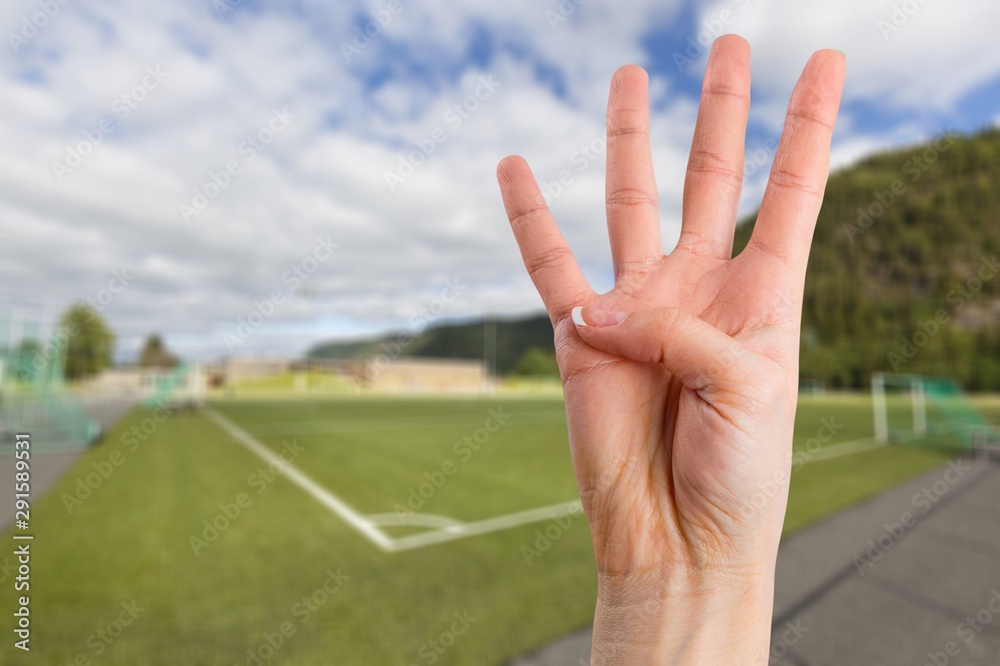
(49, 468)
(925, 591)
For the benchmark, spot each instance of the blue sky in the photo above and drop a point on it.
(228, 144)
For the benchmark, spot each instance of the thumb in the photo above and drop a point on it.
(698, 354)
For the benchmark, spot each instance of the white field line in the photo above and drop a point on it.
(462, 530)
(449, 531)
(866, 444)
(293, 474)
(413, 520)
(838, 450)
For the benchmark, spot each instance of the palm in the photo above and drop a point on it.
(667, 464)
(663, 428)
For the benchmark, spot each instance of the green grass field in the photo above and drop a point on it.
(287, 563)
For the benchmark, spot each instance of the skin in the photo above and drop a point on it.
(681, 385)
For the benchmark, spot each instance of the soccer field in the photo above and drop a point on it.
(405, 531)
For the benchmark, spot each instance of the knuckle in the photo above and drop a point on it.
(810, 107)
(544, 260)
(522, 216)
(709, 162)
(631, 197)
(718, 89)
(623, 129)
(788, 179)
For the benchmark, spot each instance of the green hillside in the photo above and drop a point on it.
(902, 276)
(514, 338)
(903, 273)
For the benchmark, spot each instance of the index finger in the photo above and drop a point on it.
(549, 261)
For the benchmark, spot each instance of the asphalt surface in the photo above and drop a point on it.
(910, 577)
(48, 468)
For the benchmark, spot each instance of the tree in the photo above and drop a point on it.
(537, 363)
(89, 342)
(155, 355)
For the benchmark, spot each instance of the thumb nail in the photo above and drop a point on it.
(596, 317)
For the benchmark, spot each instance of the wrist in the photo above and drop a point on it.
(683, 618)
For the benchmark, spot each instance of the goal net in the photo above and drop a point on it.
(930, 412)
(183, 386)
(33, 396)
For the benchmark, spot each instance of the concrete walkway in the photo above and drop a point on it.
(910, 577)
(49, 468)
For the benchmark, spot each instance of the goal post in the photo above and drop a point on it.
(879, 413)
(924, 411)
(811, 386)
(183, 385)
(909, 385)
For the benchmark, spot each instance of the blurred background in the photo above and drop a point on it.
(288, 395)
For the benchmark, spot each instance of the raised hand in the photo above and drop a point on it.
(681, 382)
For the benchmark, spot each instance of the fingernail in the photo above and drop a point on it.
(597, 317)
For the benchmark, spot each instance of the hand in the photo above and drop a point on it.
(681, 382)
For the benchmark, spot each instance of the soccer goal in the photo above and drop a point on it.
(811, 386)
(928, 412)
(33, 396)
(182, 387)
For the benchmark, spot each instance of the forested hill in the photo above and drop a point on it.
(903, 272)
(903, 276)
(514, 338)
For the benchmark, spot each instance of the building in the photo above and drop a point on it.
(232, 370)
(418, 375)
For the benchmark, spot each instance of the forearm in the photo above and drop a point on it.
(726, 620)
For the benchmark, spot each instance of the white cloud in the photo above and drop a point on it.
(932, 56)
(325, 173)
